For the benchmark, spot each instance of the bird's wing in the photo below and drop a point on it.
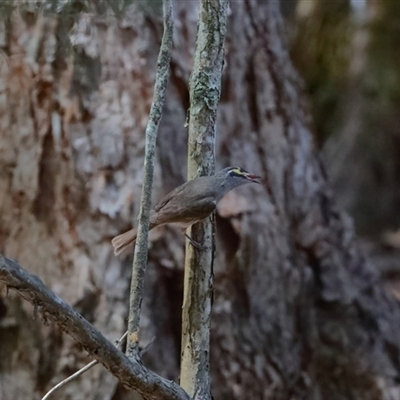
(168, 197)
(174, 213)
(195, 188)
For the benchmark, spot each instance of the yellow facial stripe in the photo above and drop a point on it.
(237, 171)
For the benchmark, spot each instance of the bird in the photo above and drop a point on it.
(189, 203)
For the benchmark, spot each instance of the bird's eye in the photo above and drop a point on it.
(240, 172)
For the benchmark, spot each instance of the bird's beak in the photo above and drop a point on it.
(253, 178)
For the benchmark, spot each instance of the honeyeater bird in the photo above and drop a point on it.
(189, 203)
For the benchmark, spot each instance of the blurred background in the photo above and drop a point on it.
(347, 53)
(308, 85)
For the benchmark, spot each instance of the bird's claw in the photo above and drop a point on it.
(198, 246)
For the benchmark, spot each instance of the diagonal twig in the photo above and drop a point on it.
(130, 373)
(69, 379)
(79, 372)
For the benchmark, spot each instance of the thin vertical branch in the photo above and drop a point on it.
(205, 90)
(140, 256)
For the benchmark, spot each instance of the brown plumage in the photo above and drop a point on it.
(189, 203)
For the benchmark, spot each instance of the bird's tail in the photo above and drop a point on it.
(124, 241)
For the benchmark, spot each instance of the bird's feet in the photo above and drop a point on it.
(198, 246)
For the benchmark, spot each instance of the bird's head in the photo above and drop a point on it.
(240, 173)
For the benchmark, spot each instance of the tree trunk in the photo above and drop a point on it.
(298, 312)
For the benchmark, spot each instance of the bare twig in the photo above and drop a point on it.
(79, 372)
(69, 379)
(147, 347)
(205, 90)
(118, 342)
(130, 373)
(140, 257)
